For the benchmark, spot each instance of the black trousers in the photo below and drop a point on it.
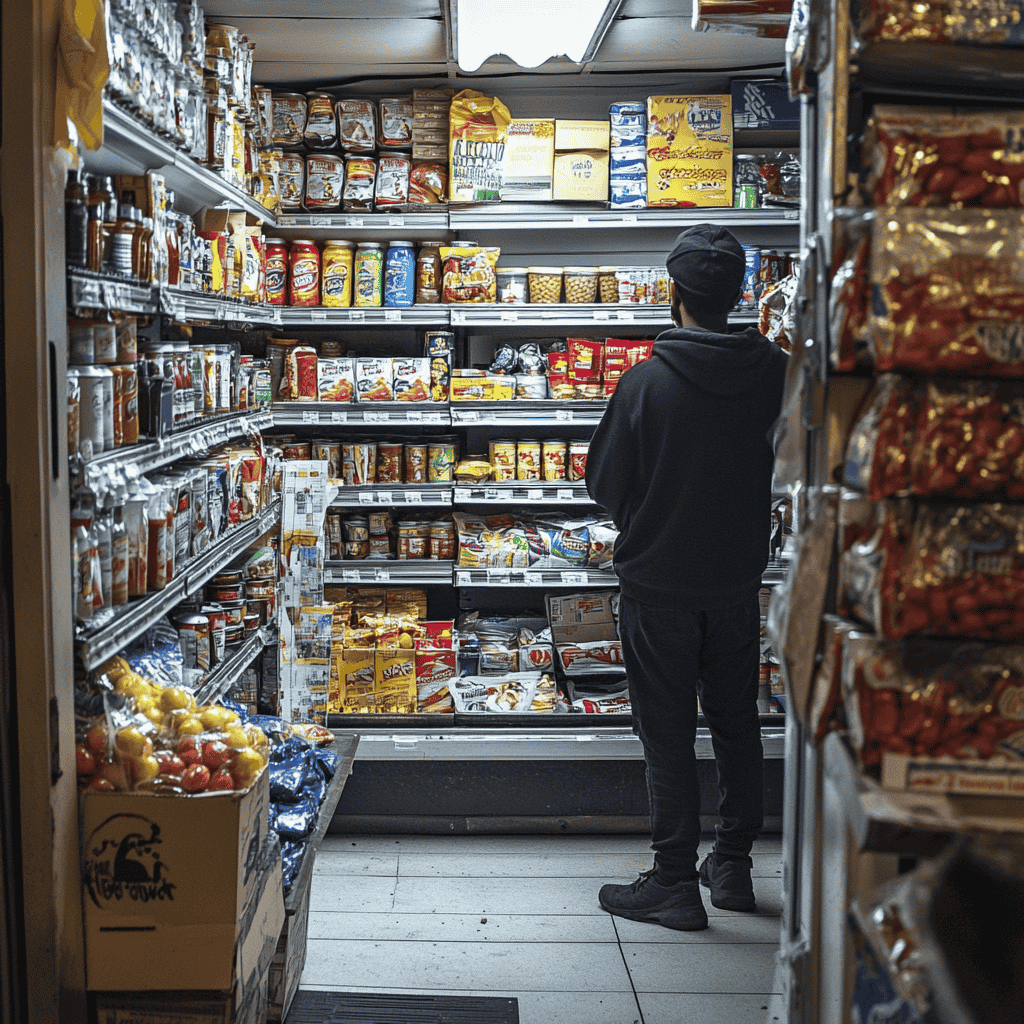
(673, 657)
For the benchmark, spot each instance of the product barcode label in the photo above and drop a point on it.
(565, 494)
(310, 417)
(382, 575)
(386, 498)
(339, 417)
(366, 497)
(564, 415)
(534, 494)
(376, 417)
(574, 577)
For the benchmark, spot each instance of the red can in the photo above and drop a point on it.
(277, 270)
(304, 276)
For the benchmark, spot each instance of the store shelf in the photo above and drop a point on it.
(413, 223)
(393, 494)
(227, 674)
(528, 413)
(562, 216)
(406, 571)
(316, 316)
(328, 414)
(192, 441)
(185, 305)
(535, 578)
(88, 290)
(101, 640)
(126, 140)
(523, 492)
(558, 314)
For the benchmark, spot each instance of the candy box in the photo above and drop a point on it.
(162, 874)
(586, 357)
(356, 673)
(374, 380)
(394, 680)
(412, 380)
(528, 160)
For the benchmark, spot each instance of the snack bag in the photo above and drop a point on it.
(945, 21)
(476, 146)
(428, 183)
(467, 273)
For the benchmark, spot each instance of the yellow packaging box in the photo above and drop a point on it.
(582, 135)
(482, 389)
(689, 151)
(394, 680)
(356, 674)
(582, 174)
(529, 159)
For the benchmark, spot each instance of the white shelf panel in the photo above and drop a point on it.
(523, 492)
(128, 142)
(559, 314)
(413, 223)
(320, 316)
(327, 414)
(183, 305)
(119, 627)
(98, 291)
(194, 441)
(405, 571)
(535, 578)
(407, 495)
(524, 413)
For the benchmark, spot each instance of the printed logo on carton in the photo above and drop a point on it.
(124, 861)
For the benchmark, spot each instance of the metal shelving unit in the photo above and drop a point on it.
(559, 314)
(410, 495)
(379, 316)
(535, 578)
(523, 492)
(566, 216)
(405, 571)
(226, 674)
(89, 290)
(294, 414)
(413, 223)
(185, 305)
(525, 413)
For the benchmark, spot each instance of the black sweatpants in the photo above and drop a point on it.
(673, 656)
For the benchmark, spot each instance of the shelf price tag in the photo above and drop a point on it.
(414, 416)
(319, 222)
(564, 415)
(357, 316)
(602, 314)
(508, 316)
(396, 222)
(492, 494)
(431, 417)
(353, 222)
(376, 416)
(339, 417)
(580, 218)
(366, 497)
(318, 315)
(458, 316)
(498, 576)
(310, 417)
(534, 494)
(382, 575)
(574, 577)
(627, 315)
(392, 315)
(414, 497)
(469, 415)
(630, 218)
(566, 494)
(385, 498)
(462, 578)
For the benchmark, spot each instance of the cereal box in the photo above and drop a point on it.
(412, 380)
(374, 380)
(581, 174)
(337, 380)
(689, 151)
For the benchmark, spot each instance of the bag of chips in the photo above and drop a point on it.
(476, 127)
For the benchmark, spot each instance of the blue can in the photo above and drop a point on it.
(400, 274)
(751, 278)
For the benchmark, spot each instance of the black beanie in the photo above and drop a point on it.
(708, 263)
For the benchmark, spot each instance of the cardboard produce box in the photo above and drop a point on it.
(243, 1001)
(290, 953)
(584, 633)
(689, 151)
(172, 882)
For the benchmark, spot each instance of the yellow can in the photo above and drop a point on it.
(336, 273)
(503, 459)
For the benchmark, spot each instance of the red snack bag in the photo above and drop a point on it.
(428, 183)
(638, 351)
(848, 300)
(948, 290)
(586, 359)
(941, 21)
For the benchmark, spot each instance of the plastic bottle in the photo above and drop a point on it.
(76, 222)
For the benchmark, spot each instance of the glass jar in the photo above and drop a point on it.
(428, 273)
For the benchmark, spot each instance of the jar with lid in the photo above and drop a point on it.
(290, 113)
(277, 270)
(400, 275)
(413, 539)
(102, 211)
(428, 273)
(369, 275)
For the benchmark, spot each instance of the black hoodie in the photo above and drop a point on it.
(682, 460)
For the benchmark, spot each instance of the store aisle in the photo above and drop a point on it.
(518, 916)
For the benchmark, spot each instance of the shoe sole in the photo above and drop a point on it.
(671, 917)
(741, 903)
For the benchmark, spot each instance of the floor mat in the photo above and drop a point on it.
(312, 1007)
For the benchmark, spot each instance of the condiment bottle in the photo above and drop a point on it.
(118, 554)
(100, 198)
(76, 222)
(428, 273)
(123, 241)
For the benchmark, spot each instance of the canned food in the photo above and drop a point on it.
(291, 112)
(369, 275)
(503, 459)
(104, 337)
(194, 640)
(277, 270)
(304, 275)
(442, 540)
(325, 176)
(389, 462)
(291, 173)
(379, 523)
(234, 612)
(230, 590)
(356, 528)
(528, 460)
(126, 403)
(413, 539)
(553, 459)
(97, 410)
(74, 395)
(329, 452)
(321, 124)
(233, 634)
(359, 462)
(81, 346)
(441, 460)
(338, 260)
(251, 622)
(380, 545)
(335, 545)
(578, 460)
(415, 463)
(400, 275)
(296, 451)
(357, 548)
(260, 590)
(218, 624)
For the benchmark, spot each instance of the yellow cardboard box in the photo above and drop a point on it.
(175, 882)
(529, 159)
(582, 135)
(582, 174)
(482, 389)
(356, 673)
(689, 151)
(394, 683)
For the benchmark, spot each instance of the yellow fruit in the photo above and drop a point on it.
(189, 725)
(155, 715)
(177, 698)
(257, 737)
(245, 767)
(236, 737)
(215, 717)
(131, 742)
(144, 768)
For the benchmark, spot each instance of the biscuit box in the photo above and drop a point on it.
(764, 104)
(529, 159)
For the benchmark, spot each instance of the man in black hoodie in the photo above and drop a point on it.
(682, 460)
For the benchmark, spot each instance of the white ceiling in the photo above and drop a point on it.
(334, 42)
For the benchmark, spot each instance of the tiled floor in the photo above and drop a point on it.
(518, 916)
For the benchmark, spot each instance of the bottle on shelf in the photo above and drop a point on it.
(100, 200)
(76, 221)
(122, 242)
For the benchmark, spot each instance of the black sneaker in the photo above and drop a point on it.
(679, 906)
(728, 878)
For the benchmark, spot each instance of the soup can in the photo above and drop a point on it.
(441, 460)
(553, 454)
(194, 640)
(415, 463)
(389, 462)
(413, 539)
(503, 459)
(577, 468)
(329, 452)
(528, 460)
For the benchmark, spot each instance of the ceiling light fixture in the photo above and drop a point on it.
(528, 31)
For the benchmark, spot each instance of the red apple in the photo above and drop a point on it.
(195, 778)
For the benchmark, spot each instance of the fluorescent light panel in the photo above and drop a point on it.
(529, 31)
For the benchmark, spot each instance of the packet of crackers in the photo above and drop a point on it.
(477, 126)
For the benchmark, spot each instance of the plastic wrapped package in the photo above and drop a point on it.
(848, 299)
(294, 821)
(288, 777)
(948, 290)
(946, 21)
(292, 853)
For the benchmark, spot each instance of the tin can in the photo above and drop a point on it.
(415, 463)
(291, 175)
(251, 622)
(211, 371)
(296, 451)
(81, 344)
(218, 627)
(359, 462)
(369, 275)
(290, 115)
(74, 396)
(325, 176)
(235, 611)
(194, 641)
(578, 460)
(528, 461)
(338, 261)
(304, 273)
(413, 539)
(553, 459)
(442, 540)
(400, 275)
(441, 460)
(772, 265)
(503, 458)
(357, 549)
(321, 124)
(329, 452)
(356, 528)
(389, 462)
(97, 410)
(332, 531)
(104, 342)
(379, 523)
(223, 354)
(277, 270)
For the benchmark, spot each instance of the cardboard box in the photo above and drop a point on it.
(435, 670)
(290, 955)
(582, 135)
(528, 165)
(764, 103)
(689, 151)
(581, 175)
(959, 776)
(482, 389)
(394, 680)
(595, 656)
(581, 618)
(165, 877)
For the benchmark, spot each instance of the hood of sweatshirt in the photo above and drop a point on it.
(724, 364)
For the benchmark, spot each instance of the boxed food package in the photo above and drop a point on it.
(482, 389)
(584, 633)
(374, 380)
(689, 151)
(394, 680)
(764, 104)
(581, 175)
(575, 135)
(337, 379)
(356, 672)
(412, 380)
(151, 890)
(528, 165)
(586, 359)
(435, 671)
